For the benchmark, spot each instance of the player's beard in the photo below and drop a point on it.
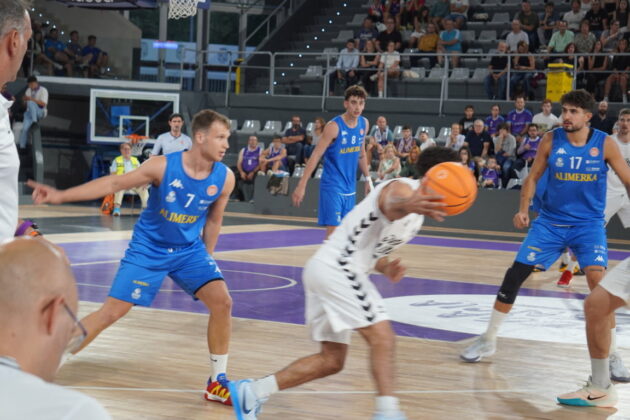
(572, 129)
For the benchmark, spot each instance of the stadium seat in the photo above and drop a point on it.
(436, 73)
(344, 35)
(468, 36)
(312, 72)
(357, 20)
(430, 130)
(398, 132)
(460, 73)
(501, 17)
(271, 128)
(233, 125)
(310, 127)
(420, 71)
(443, 136)
(250, 127)
(331, 52)
(487, 35)
(480, 74)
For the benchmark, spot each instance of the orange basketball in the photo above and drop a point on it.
(455, 183)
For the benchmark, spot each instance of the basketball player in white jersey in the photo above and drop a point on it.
(341, 298)
(617, 201)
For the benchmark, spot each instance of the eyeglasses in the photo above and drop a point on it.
(78, 334)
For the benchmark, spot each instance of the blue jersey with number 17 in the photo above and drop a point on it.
(177, 208)
(342, 156)
(576, 184)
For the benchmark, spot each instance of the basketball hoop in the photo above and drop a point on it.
(178, 9)
(137, 143)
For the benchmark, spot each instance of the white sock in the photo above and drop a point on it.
(613, 341)
(219, 365)
(496, 319)
(565, 258)
(571, 266)
(264, 387)
(387, 404)
(600, 372)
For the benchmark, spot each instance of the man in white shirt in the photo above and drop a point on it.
(545, 119)
(173, 140)
(15, 31)
(36, 101)
(38, 307)
(574, 16)
(426, 141)
(517, 35)
(617, 201)
(347, 64)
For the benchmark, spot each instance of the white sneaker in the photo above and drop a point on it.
(618, 371)
(479, 349)
(244, 402)
(399, 415)
(590, 396)
(374, 77)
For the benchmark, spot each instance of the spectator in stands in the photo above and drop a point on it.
(515, 36)
(313, 139)
(505, 149)
(456, 139)
(39, 53)
(74, 51)
(524, 66)
(346, 69)
(529, 23)
(479, 141)
(368, 65)
(468, 119)
(389, 167)
(294, 140)
(426, 141)
(410, 168)
(427, 47)
(417, 33)
(390, 34)
(376, 11)
(422, 19)
(450, 43)
(622, 14)
(36, 101)
(4, 91)
(611, 37)
(585, 5)
(597, 19)
(379, 137)
(390, 63)
(248, 165)
(459, 12)
(610, 6)
(173, 140)
(274, 158)
(121, 165)
(574, 16)
(497, 73)
(368, 32)
(55, 50)
(411, 13)
(519, 118)
(526, 152)
(596, 65)
(585, 39)
(494, 120)
(404, 144)
(601, 120)
(439, 11)
(467, 160)
(97, 59)
(620, 65)
(392, 10)
(490, 174)
(545, 120)
(560, 39)
(572, 59)
(548, 22)
(38, 308)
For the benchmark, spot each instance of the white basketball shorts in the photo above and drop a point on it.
(617, 281)
(618, 204)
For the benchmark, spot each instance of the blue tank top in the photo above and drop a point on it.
(576, 184)
(251, 159)
(341, 158)
(177, 208)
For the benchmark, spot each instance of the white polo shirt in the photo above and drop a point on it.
(9, 168)
(41, 94)
(169, 144)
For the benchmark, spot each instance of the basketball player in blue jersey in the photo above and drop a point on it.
(175, 236)
(571, 210)
(342, 147)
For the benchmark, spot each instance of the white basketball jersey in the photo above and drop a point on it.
(615, 186)
(366, 235)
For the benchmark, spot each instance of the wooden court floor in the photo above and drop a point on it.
(153, 364)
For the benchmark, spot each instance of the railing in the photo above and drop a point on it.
(287, 5)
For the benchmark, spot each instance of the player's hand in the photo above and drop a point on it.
(298, 195)
(425, 201)
(394, 270)
(521, 220)
(44, 193)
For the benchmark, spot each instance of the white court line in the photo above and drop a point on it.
(412, 392)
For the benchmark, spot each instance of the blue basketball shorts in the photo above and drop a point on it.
(545, 242)
(333, 207)
(144, 266)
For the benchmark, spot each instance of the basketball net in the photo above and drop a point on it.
(137, 144)
(178, 9)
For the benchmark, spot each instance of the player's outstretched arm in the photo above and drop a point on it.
(613, 156)
(150, 172)
(214, 219)
(331, 130)
(521, 218)
(398, 199)
(364, 165)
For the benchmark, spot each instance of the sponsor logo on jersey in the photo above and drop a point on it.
(567, 176)
(361, 131)
(354, 149)
(561, 151)
(170, 197)
(171, 216)
(136, 293)
(176, 183)
(599, 258)
(212, 190)
(531, 256)
(140, 283)
(559, 162)
(344, 133)
(594, 152)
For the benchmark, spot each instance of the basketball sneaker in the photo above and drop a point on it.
(246, 406)
(562, 267)
(618, 371)
(217, 391)
(590, 396)
(399, 415)
(565, 279)
(479, 349)
(116, 211)
(577, 271)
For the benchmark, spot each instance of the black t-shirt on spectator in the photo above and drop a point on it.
(596, 20)
(620, 62)
(475, 142)
(466, 124)
(299, 132)
(604, 124)
(384, 38)
(498, 63)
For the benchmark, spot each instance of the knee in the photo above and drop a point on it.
(222, 305)
(595, 308)
(514, 278)
(333, 363)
